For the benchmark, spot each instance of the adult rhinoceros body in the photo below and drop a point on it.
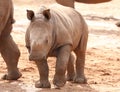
(70, 3)
(57, 31)
(8, 48)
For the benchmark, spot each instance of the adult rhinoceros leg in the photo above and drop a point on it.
(10, 53)
(61, 65)
(43, 82)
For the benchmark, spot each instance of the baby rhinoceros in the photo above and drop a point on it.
(57, 31)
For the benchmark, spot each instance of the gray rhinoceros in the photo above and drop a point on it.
(8, 48)
(70, 3)
(57, 31)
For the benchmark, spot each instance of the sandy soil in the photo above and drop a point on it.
(102, 56)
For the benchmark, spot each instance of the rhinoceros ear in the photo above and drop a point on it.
(47, 14)
(30, 14)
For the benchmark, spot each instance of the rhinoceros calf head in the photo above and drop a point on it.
(39, 34)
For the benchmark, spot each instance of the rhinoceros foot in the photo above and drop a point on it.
(80, 79)
(59, 81)
(12, 76)
(70, 77)
(42, 84)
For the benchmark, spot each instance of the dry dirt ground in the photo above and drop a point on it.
(102, 67)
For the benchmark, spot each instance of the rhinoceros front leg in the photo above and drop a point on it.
(43, 82)
(61, 65)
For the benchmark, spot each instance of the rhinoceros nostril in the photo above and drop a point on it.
(33, 57)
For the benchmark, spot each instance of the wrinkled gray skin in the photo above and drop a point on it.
(57, 32)
(8, 49)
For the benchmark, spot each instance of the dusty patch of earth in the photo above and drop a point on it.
(102, 56)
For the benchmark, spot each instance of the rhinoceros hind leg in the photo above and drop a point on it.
(12, 76)
(80, 62)
(70, 67)
(10, 54)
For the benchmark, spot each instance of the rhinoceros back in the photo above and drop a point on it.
(68, 25)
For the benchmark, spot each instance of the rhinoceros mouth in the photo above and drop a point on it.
(37, 58)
